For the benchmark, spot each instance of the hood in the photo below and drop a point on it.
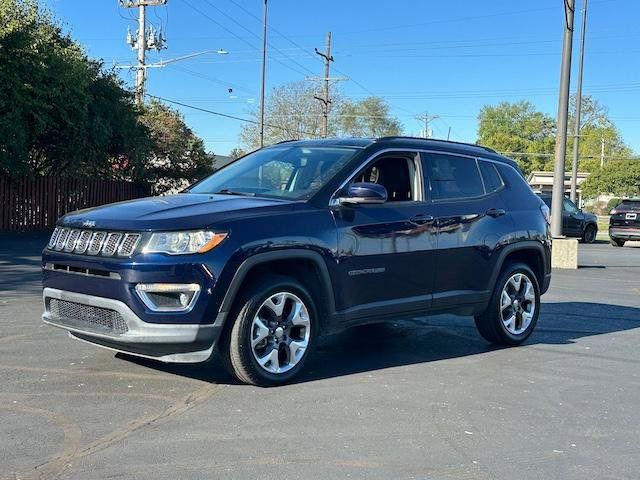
(173, 212)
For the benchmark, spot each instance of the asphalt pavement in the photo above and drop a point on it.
(425, 399)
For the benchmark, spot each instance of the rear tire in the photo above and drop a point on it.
(273, 330)
(514, 307)
(590, 233)
(616, 242)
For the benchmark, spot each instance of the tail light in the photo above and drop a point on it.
(614, 212)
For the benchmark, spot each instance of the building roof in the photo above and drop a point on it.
(540, 178)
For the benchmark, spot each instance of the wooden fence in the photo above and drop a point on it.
(36, 203)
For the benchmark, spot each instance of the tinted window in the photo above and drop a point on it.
(569, 206)
(491, 177)
(453, 177)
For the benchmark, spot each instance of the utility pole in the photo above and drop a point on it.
(601, 152)
(145, 39)
(264, 72)
(563, 112)
(448, 133)
(325, 100)
(426, 118)
(576, 131)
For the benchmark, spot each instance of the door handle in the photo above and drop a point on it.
(495, 212)
(421, 219)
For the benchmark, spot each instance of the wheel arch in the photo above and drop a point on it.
(530, 253)
(310, 270)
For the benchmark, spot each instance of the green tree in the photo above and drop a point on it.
(520, 131)
(595, 126)
(59, 111)
(237, 152)
(369, 117)
(178, 156)
(620, 178)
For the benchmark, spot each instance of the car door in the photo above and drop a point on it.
(385, 250)
(572, 219)
(471, 222)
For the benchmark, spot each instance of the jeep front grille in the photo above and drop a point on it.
(111, 244)
(86, 317)
(90, 242)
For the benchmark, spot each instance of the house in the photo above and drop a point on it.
(543, 182)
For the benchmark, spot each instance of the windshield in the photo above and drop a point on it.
(283, 172)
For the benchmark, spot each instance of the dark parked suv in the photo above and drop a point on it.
(624, 222)
(575, 222)
(298, 240)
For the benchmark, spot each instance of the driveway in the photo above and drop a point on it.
(421, 399)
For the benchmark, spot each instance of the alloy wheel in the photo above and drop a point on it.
(517, 303)
(280, 332)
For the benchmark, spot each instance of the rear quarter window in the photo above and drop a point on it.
(492, 179)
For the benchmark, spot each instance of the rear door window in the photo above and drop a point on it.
(452, 177)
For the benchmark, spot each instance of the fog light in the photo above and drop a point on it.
(168, 297)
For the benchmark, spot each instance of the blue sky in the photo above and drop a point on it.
(446, 57)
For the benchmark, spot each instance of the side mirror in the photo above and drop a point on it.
(363, 193)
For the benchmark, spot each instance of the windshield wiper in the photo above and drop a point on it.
(226, 191)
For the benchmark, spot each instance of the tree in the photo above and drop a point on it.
(369, 117)
(620, 178)
(520, 131)
(529, 136)
(236, 153)
(60, 112)
(178, 156)
(292, 113)
(595, 126)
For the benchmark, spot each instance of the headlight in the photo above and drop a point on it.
(180, 243)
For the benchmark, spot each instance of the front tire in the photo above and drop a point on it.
(590, 233)
(513, 309)
(616, 242)
(273, 331)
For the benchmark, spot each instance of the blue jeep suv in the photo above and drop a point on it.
(298, 240)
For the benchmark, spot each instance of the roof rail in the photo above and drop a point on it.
(393, 137)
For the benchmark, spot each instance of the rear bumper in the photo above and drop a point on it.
(624, 233)
(112, 324)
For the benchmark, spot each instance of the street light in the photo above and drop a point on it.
(162, 63)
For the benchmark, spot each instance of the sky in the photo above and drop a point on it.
(447, 58)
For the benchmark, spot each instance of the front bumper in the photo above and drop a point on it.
(624, 233)
(112, 324)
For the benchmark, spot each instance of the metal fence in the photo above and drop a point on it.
(35, 203)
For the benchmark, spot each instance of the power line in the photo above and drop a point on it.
(214, 79)
(242, 39)
(255, 35)
(220, 114)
